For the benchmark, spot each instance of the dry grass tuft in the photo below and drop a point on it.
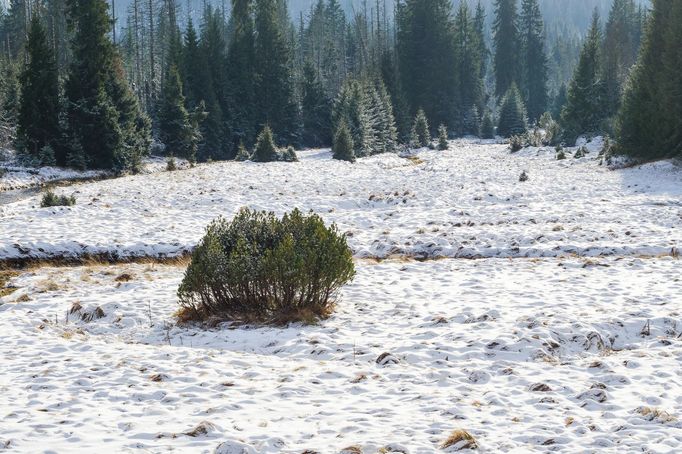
(656, 414)
(460, 439)
(5, 289)
(125, 277)
(351, 450)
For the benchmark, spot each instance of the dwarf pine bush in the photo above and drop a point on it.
(50, 199)
(261, 268)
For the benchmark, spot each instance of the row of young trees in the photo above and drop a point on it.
(206, 92)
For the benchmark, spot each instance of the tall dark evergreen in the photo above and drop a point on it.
(534, 59)
(177, 130)
(274, 84)
(106, 128)
(427, 57)
(240, 73)
(316, 110)
(470, 97)
(585, 111)
(479, 28)
(621, 45)
(506, 44)
(650, 120)
(38, 125)
(512, 119)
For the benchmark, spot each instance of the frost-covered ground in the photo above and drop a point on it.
(529, 355)
(465, 202)
(566, 338)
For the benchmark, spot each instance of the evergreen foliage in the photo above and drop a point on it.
(506, 43)
(265, 150)
(276, 105)
(534, 68)
(343, 148)
(427, 57)
(38, 119)
(487, 127)
(316, 110)
(442, 138)
(106, 128)
(50, 199)
(242, 153)
(585, 111)
(261, 268)
(650, 120)
(176, 128)
(421, 133)
(512, 119)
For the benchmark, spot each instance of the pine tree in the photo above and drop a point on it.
(470, 90)
(175, 126)
(512, 114)
(421, 133)
(343, 148)
(427, 58)
(38, 125)
(276, 104)
(442, 137)
(650, 119)
(316, 110)
(621, 45)
(584, 110)
(199, 89)
(479, 29)
(241, 74)
(265, 150)
(534, 68)
(106, 128)
(506, 43)
(487, 127)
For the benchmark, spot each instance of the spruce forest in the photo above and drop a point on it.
(172, 80)
(340, 226)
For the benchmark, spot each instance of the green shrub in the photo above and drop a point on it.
(560, 154)
(516, 143)
(487, 127)
(289, 155)
(264, 269)
(171, 165)
(50, 199)
(242, 153)
(581, 153)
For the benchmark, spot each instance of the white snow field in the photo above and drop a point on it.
(563, 335)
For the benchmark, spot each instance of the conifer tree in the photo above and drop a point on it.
(38, 125)
(106, 128)
(506, 43)
(175, 125)
(650, 120)
(241, 74)
(343, 148)
(621, 45)
(426, 57)
(584, 110)
(534, 58)
(479, 29)
(442, 137)
(470, 91)
(421, 133)
(512, 114)
(265, 150)
(316, 109)
(487, 127)
(276, 104)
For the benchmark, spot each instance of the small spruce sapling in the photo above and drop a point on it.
(265, 150)
(242, 153)
(343, 144)
(442, 137)
(421, 135)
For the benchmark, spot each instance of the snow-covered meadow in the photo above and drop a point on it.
(565, 335)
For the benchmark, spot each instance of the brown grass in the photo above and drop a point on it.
(5, 277)
(656, 414)
(91, 260)
(460, 438)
